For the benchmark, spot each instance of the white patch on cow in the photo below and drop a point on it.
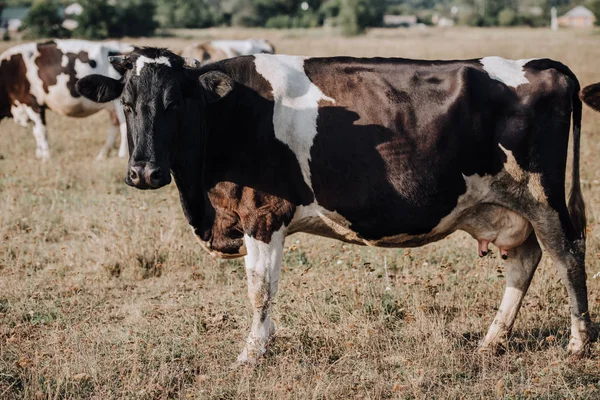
(296, 104)
(143, 60)
(233, 48)
(509, 72)
(65, 61)
(505, 318)
(263, 266)
(19, 113)
(39, 132)
(534, 180)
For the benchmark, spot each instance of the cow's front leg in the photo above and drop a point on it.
(263, 265)
(42, 150)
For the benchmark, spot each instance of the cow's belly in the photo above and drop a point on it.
(317, 220)
(485, 222)
(72, 106)
(60, 100)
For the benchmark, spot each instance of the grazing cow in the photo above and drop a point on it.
(34, 77)
(221, 49)
(377, 152)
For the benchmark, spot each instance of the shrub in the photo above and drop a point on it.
(44, 21)
(507, 17)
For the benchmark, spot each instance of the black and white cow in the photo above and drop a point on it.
(35, 77)
(377, 152)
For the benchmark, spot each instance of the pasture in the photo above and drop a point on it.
(105, 293)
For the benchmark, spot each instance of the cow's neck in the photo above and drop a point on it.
(188, 169)
(204, 160)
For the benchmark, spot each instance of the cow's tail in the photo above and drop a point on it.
(576, 203)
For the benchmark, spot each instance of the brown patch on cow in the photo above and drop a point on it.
(14, 85)
(49, 64)
(204, 52)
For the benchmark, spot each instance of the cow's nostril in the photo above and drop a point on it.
(154, 175)
(133, 175)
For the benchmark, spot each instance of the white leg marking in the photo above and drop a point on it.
(263, 264)
(111, 136)
(507, 313)
(296, 104)
(509, 72)
(123, 144)
(42, 150)
(122, 128)
(580, 336)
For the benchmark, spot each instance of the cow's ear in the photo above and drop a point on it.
(216, 85)
(99, 88)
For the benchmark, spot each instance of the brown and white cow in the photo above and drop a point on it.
(221, 49)
(376, 152)
(35, 77)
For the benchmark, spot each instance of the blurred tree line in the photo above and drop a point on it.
(117, 18)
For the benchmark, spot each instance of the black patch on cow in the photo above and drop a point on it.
(390, 154)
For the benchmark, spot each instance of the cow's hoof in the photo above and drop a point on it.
(101, 156)
(578, 348)
(247, 358)
(122, 154)
(42, 154)
(493, 349)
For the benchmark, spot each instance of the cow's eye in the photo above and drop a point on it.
(173, 105)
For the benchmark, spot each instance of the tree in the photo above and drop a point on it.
(189, 13)
(594, 6)
(44, 21)
(356, 15)
(101, 20)
(135, 18)
(507, 17)
(97, 19)
(348, 18)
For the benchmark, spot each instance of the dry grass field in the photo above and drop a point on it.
(105, 294)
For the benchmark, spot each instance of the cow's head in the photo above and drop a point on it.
(153, 89)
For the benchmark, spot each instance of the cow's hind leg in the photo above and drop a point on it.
(111, 136)
(263, 265)
(568, 253)
(519, 269)
(120, 114)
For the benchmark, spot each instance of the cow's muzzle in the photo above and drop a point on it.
(144, 175)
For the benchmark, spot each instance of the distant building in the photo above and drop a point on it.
(395, 21)
(578, 17)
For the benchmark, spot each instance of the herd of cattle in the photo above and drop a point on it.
(380, 152)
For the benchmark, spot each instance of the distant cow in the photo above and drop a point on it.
(591, 96)
(377, 152)
(35, 77)
(221, 49)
